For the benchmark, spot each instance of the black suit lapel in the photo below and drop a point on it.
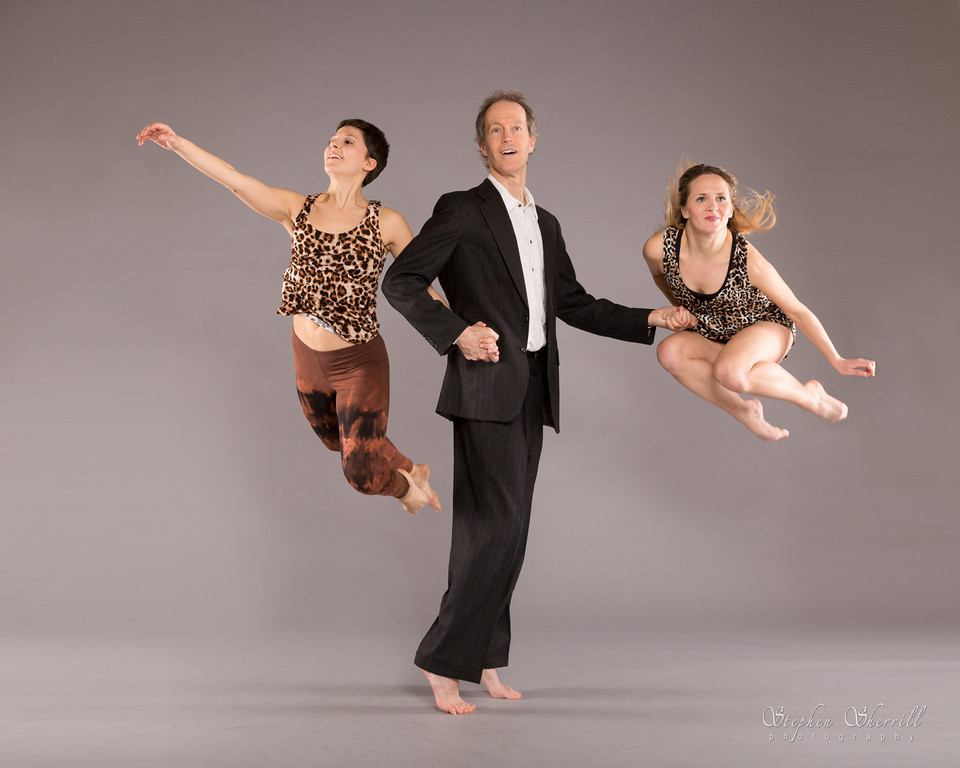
(497, 218)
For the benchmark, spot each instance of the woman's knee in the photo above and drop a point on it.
(329, 436)
(730, 376)
(360, 474)
(670, 353)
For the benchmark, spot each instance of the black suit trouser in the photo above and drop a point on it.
(494, 471)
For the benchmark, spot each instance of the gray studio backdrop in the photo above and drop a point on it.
(157, 473)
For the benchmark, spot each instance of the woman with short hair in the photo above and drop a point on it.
(339, 244)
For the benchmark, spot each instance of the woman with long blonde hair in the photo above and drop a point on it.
(747, 315)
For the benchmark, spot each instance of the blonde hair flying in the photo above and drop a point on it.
(751, 213)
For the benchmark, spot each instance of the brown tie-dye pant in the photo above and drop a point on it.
(345, 396)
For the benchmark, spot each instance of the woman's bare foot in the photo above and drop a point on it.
(754, 421)
(421, 476)
(446, 691)
(414, 498)
(824, 405)
(491, 681)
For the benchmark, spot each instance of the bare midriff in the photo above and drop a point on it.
(316, 337)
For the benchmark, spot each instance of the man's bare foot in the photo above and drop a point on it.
(446, 691)
(753, 420)
(414, 498)
(421, 476)
(491, 681)
(824, 405)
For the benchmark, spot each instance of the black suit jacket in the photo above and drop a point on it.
(469, 243)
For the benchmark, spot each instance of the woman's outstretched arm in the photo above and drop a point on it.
(767, 279)
(281, 205)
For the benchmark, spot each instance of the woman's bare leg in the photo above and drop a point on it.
(690, 359)
(750, 364)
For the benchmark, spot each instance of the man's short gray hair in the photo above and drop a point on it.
(517, 98)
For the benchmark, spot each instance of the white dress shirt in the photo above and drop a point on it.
(523, 217)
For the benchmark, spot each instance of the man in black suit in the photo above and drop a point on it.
(505, 271)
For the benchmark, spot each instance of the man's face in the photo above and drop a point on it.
(507, 143)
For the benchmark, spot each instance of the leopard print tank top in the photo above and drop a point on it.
(335, 276)
(736, 305)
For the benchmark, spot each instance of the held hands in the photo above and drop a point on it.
(856, 367)
(672, 318)
(477, 342)
(162, 135)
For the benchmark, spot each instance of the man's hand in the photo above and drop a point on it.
(673, 318)
(477, 342)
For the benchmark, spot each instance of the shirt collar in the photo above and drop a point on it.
(510, 201)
